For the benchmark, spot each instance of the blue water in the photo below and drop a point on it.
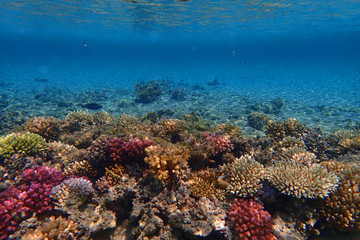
(305, 52)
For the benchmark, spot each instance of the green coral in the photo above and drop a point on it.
(21, 143)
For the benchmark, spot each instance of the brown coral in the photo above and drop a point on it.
(171, 130)
(204, 183)
(47, 127)
(55, 228)
(342, 207)
(165, 163)
(244, 175)
(299, 180)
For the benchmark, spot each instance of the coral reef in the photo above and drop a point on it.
(299, 180)
(54, 228)
(122, 150)
(21, 143)
(341, 209)
(258, 120)
(32, 195)
(220, 143)
(148, 92)
(165, 163)
(250, 220)
(72, 191)
(244, 175)
(47, 127)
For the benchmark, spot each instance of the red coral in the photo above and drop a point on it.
(220, 143)
(121, 150)
(31, 196)
(250, 220)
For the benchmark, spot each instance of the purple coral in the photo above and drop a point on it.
(121, 149)
(16, 203)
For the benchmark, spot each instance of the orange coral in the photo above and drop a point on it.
(165, 163)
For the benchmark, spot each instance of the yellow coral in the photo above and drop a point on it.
(165, 162)
(21, 143)
(299, 180)
(204, 184)
(245, 176)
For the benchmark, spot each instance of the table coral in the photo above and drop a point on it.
(21, 143)
(299, 180)
(244, 175)
(250, 220)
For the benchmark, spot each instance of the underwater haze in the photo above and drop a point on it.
(248, 64)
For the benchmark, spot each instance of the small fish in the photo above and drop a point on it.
(92, 106)
(85, 45)
(233, 52)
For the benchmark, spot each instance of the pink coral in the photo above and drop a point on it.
(121, 150)
(250, 220)
(17, 203)
(220, 143)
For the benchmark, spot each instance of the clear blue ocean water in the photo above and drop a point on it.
(306, 52)
(56, 56)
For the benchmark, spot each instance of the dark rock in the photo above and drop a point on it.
(92, 106)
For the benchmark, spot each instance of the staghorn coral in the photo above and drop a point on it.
(299, 180)
(47, 127)
(112, 177)
(250, 220)
(165, 163)
(102, 118)
(28, 144)
(54, 228)
(72, 191)
(244, 175)
(341, 209)
(345, 141)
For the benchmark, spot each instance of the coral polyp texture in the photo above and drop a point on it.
(165, 163)
(21, 143)
(47, 127)
(244, 175)
(121, 150)
(341, 209)
(302, 181)
(250, 220)
(31, 196)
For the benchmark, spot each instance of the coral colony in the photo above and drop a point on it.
(94, 176)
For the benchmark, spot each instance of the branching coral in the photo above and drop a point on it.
(47, 127)
(258, 120)
(244, 175)
(165, 163)
(280, 130)
(21, 143)
(72, 191)
(250, 220)
(219, 143)
(205, 184)
(299, 180)
(171, 130)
